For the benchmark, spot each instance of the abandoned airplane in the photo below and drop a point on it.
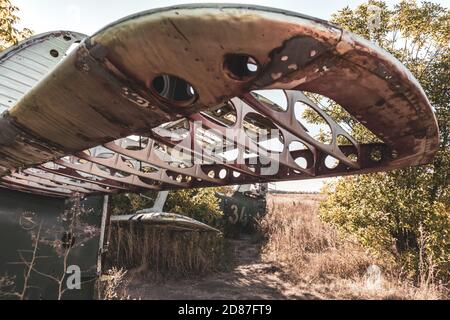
(193, 96)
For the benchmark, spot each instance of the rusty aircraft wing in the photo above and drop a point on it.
(183, 97)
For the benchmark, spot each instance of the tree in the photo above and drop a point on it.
(200, 204)
(9, 34)
(405, 212)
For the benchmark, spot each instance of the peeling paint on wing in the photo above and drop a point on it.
(343, 46)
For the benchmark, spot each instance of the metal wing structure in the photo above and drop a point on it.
(186, 97)
(175, 221)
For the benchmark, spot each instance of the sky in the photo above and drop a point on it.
(88, 16)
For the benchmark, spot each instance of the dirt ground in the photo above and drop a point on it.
(331, 272)
(249, 279)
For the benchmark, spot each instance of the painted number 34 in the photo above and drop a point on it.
(237, 216)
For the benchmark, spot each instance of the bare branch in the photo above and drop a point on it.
(31, 264)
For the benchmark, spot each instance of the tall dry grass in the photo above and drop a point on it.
(162, 251)
(310, 248)
(113, 285)
(314, 252)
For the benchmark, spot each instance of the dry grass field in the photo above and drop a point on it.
(298, 257)
(311, 251)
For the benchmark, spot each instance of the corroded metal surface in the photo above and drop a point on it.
(169, 220)
(153, 100)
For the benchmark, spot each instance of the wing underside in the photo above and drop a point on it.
(203, 95)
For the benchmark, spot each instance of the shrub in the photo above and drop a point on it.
(199, 204)
(404, 211)
(387, 216)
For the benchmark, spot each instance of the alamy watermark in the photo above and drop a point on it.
(73, 281)
(374, 18)
(259, 146)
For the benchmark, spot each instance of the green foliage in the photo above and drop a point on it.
(129, 203)
(405, 212)
(391, 213)
(200, 204)
(9, 34)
